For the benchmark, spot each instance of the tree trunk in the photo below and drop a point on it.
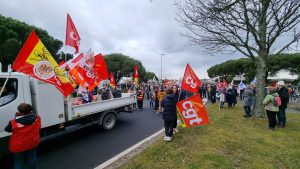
(260, 87)
(261, 60)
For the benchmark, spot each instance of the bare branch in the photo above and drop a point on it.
(249, 26)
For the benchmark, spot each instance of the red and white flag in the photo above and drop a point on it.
(191, 112)
(72, 36)
(190, 81)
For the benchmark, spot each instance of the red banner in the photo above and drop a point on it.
(136, 74)
(224, 83)
(72, 36)
(191, 112)
(190, 81)
(36, 61)
(100, 69)
(76, 77)
(112, 81)
(219, 85)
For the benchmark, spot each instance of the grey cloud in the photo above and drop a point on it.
(139, 28)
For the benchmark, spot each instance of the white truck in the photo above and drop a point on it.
(58, 114)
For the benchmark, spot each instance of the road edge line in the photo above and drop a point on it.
(125, 152)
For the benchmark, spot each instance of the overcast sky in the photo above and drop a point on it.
(142, 29)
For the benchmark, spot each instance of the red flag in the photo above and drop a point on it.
(136, 74)
(219, 85)
(36, 61)
(224, 83)
(72, 36)
(61, 63)
(191, 112)
(190, 81)
(76, 77)
(100, 68)
(112, 81)
(273, 83)
(87, 74)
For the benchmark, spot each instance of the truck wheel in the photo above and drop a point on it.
(109, 121)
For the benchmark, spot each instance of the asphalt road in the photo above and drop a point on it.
(90, 147)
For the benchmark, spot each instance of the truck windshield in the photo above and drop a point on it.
(9, 91)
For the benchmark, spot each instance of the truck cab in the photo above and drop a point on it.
(58, 113)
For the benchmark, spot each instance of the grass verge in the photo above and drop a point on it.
(230, 141)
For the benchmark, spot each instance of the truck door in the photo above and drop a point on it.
(13, 94)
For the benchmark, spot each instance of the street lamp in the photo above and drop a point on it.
(161, 66)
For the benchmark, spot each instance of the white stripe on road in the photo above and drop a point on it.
(115, 158)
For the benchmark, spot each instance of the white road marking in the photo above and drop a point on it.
(115, 158)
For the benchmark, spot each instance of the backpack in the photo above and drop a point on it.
(276, 101)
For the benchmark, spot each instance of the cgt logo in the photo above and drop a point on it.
(190, 113)
(189, 80)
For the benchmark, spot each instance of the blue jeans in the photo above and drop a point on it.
(281, 117)
(19, 159)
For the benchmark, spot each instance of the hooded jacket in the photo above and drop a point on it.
(284, 97)
(169, 105)
(25, 132)
(248, 97)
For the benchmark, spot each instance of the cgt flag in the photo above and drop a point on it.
(190, 81)
(36, 61)
(100, 70)
(72, 36)
(136, 74)
(191, 112)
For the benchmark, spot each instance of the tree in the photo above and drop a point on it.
(250, 27)
(13, 35)
(149, 76)
(232, 68)
(245, 67)
(123, 64)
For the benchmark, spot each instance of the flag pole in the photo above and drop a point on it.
(66, 40)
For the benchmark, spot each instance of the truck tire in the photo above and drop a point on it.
(109, 121)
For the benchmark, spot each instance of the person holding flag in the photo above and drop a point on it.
(191, 111)
(169, 113)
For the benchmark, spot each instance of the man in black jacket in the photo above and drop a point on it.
(169, 113)
(284, 97)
